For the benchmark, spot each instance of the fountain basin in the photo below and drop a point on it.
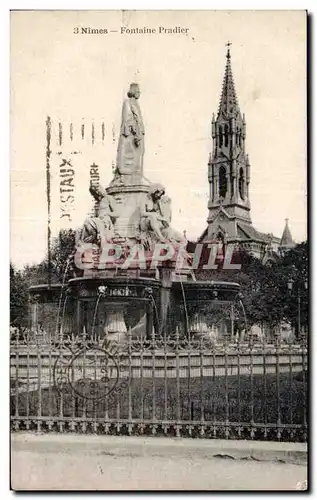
(122, 303)
(203, 308)
(111, 307)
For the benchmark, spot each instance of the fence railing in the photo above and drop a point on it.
(178, 387)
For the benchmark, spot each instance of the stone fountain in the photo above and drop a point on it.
(131, 269)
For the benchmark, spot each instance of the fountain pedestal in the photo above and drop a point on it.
(129, 202)
(115, 328)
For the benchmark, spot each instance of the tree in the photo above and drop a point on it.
(18, 298)
(294, 270)
(20, 281)
(266, 294)
(62, 248)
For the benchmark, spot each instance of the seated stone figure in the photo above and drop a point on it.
(156, 218)
(99, 229)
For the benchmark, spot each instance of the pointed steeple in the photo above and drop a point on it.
(228, 166)
(228, 107)
(287, 240)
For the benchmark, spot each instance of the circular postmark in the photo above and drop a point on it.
(91, 374)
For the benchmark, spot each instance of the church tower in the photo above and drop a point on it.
(229, 218)
(228, 166)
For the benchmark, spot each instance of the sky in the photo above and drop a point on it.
(74, 77)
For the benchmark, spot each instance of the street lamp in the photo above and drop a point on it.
(290, 286)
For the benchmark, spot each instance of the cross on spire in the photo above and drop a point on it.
(228, 44)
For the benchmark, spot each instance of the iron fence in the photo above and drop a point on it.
(161, 386)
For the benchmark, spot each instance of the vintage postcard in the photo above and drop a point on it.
(159, 255)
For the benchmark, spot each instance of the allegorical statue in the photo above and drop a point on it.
(129, 167)
(156, 218)
(99, 229)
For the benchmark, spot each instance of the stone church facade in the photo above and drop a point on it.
(229, 169)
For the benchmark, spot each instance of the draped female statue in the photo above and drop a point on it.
(129, 167)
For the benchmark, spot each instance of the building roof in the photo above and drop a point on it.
(246, 231)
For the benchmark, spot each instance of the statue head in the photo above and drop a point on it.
(134, 91)
(157, 191)
(97, 192)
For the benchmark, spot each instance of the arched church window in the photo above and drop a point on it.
(222, 182)
(226, 135)
(241, 183)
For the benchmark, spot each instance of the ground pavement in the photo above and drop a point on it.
(87, 462)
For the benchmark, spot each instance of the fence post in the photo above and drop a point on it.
(202, 409)
(177, 427)
(130, 424)
(277, 362)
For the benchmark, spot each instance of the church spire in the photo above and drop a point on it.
(287, 240)
(228, 106)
